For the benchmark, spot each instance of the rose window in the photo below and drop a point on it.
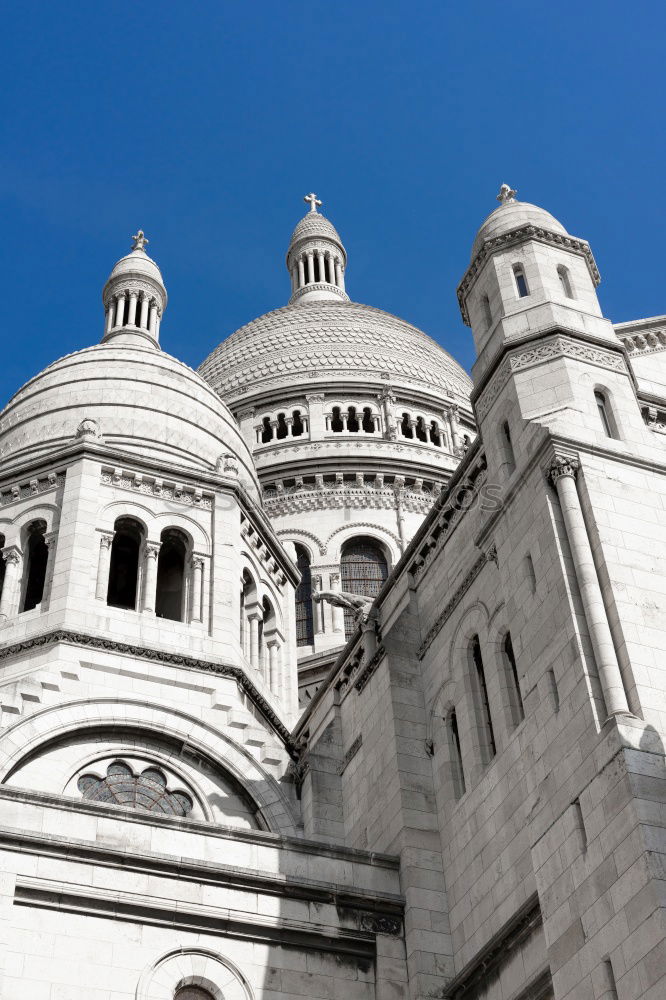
(147, 790)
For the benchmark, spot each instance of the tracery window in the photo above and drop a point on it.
(147, 790)
(304, 617)
(37, 554)
(363, 570)
(124, 565)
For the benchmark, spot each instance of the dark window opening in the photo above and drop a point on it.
(435, 436)
(604, 413)
(297, 426)
(170, 592)
(368, 423)
(487, 314)
(304, 618)
(352, 420)
(282, 429)
(521, 281)
(406, 426)
(35, 570)
(489, 748)
(124, 566)
(267, 430)
(193, 993)
(456, 756)
(508, 446)
(421, 432)
(336, 422)
(363, 571)
(516, 699)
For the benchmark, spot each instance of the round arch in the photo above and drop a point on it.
(365, 529)
(193, 967)
(28, 735)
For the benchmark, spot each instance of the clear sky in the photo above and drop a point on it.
(205, 123)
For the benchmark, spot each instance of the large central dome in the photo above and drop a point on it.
(314, 341)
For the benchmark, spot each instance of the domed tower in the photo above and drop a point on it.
(355, 420)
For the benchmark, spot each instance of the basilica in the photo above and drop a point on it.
(330, 672)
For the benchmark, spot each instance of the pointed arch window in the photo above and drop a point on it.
(304, 617)
(521, 281)
(484, 718)
(37, 555)
(565, 281)
(170, 593)
(124, 565)
(363, 570)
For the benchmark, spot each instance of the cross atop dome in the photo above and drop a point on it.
(140, 240)
(314, 202)
(506, 194)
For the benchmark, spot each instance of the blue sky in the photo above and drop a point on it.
(205, 123)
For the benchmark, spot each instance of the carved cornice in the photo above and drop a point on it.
(546, 349)
(369, 669)
(318, 286)
(642, 342)
(356, 497)
(450, 606)
(34, 487)
(166, 489)
(502, 242)
(159, 656)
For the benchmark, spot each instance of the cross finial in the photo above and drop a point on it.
(140, 240)
(314, 201)
(506, 194)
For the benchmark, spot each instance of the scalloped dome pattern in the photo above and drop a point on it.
(314, 224)
(306, 341)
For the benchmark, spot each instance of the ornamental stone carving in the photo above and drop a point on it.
(562, 466)
(89, 429)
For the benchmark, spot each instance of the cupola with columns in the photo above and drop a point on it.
(134, 296)
(316, 259)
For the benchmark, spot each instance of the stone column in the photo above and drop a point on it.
(254, 639)
(50, 539)
(387, 401)
(310, 267)
(104, 565)
(315, 403)
(272, 672)
(120, 308)
(562, 474)
(452, 415)
(131, 315)
(109, 316)
(331, 269)
(152, 322)
(317, 607)
(338, 613)
(301, 273)
(399, 488)
(13, 561)
(322, 265)
(150, 555)
(197, 588)
(143, 319)
(338, 273)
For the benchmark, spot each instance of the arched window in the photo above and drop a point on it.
(297, 425)
(485, 722)
(421, 431)
(363, 570)
(521, 281)
(435, 435)
(282, 429)
(267, 430)
(147, 790)
(565, 281)
(515, 697)
(124, 567)
(605, 414)
(508, 446)
(406, 426)
(368, 422)
(37, 554)
(192, 993)
(170, 592)
(336, 421)
(455, 754)
(304, 620)
(487, 314)
(248, 596)
(352, 419)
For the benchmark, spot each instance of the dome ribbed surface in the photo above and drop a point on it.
(317, 340)
(514, 215)
(314, 224)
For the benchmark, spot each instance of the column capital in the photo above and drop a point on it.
(49, 538)
(198, 562)
(315, 397)
(11, 554)
(106, 539)
(562, 467)
(152, 549)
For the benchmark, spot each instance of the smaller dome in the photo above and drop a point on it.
(137, 263)
(313, 225)
(513, 215)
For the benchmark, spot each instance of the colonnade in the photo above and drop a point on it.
(329, 270)
(142, 312)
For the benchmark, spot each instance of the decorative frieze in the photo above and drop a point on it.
(33, 487)
(378, 495)
(189, 496)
